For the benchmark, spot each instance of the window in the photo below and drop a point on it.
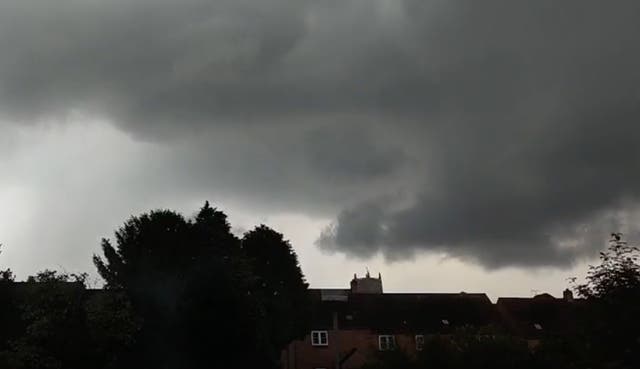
(537, 326)
(386, 342)
(319, 338)
(419, 342)
(445, 322)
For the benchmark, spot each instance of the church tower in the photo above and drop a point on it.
(366, 284)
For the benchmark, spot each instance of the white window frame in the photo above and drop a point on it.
(389, 342)
(319, 338)
(419, 342)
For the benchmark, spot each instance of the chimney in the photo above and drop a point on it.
(567, 295)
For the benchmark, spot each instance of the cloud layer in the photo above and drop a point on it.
(502, 132)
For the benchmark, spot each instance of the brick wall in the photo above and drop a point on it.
(302, 354)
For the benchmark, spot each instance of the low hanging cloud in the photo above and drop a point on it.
(501, 132)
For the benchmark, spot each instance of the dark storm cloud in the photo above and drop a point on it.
(502, 132)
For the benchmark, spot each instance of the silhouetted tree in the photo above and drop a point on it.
(466, 348)
(192, 287)
(223, 319)
(280, 284)
(6, 275)
(567, 352)
(51, 315)
(112, 328)
(612, 293)
(617, 277)
(497, 351)
(53, 321)
(9, 313)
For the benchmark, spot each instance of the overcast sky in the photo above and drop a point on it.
(453, 145)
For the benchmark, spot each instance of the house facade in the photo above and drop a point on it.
(349, 326)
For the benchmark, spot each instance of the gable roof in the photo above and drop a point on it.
(398, 312)
(542, 315)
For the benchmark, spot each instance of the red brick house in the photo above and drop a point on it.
(350, 325)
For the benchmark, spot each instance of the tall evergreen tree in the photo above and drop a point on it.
(280, 283)
(191, 285)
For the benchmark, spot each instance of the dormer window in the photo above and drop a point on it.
(319, 338)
